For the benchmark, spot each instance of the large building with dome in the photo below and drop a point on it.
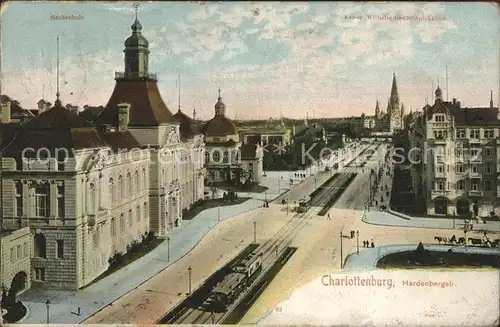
(227, 159)
(129, 169)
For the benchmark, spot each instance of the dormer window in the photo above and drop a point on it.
(439, 118)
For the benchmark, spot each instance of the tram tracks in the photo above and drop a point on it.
(275, 245)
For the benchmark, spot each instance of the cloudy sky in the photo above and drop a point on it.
(296, 58)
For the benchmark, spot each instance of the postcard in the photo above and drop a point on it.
(266, 163)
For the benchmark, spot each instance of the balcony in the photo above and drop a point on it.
(120, 75)
(472, 174)
(440, 140)
(475, 193)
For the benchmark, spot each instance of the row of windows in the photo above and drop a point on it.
(475, 134)
(461, 185)
(41, 205)
(460, 168)
(19, 252)
(487, 152)
(128, 220)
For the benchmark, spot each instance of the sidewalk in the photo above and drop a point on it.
(367, 258)
(107, 290)
(383, 218)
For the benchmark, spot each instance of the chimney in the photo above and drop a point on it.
(454, 101)
(6, 112)
(123, 116)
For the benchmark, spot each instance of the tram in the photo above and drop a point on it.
(304, 204)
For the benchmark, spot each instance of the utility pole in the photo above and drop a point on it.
(254, 231)
(189, 276)
(341, 254)
(357, 242)
(168, 248)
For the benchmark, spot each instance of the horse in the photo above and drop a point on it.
(438, 238)
(495, 243)
(453, 239)
(475, 241)
(461, 240)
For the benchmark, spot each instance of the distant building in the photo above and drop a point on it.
(390, 120)
(460, 157)
(226, 157)
(270, 133)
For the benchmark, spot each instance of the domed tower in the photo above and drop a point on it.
(137, 87)
(220, 125)
(220, 107)
(136, 52)
(439, 94)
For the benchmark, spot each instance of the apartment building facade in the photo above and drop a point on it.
(460, 158)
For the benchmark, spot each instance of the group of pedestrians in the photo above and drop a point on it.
(367, 244)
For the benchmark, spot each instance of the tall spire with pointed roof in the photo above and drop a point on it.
(394, 90)
(194, 112)
(377, 109)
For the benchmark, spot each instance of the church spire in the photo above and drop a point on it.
(377, 109)
(394, 89)
(491, 99)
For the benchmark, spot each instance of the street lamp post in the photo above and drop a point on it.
(47, 305)
(357, 242)
(189, 276)
(315, 186)
(279, 186)
(218, 212)
(254, 231)
(287, 207)
(168, 248)
(341, 254)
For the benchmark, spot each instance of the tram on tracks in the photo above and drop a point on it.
(304, 204)
(230, 288)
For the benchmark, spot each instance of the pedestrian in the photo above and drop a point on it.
(329, 216)
(373, 244)
(364, 244)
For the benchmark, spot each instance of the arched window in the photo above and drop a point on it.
(130, 218)
(136, 181)
(112, 190)
(113, 227)
(144, 179)
(92, 196)
(122, 223)
(138, 213)
(129, 184)
(40, 246)
(121, 188)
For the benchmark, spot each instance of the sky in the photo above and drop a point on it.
(296, 59)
